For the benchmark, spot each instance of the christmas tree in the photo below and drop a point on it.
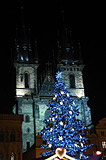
(63, 128)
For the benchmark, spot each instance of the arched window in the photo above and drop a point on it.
(26, 80)
(27, 118)
(12, 156)
(72, 81)
(28, 130)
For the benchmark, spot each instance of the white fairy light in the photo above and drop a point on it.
(67, 94)
(82, 144)
(53, 119)
(60, 138)
(54, 98)
(51, 129)
(70, 112)
(80, 136)
(61, 123)
(73, 103)
(50, 145)
(75, 145)
(55, 95)
(61, 103)
(62, 92)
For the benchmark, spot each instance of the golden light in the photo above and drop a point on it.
(51, 129)
(60, 152)
(50, 145)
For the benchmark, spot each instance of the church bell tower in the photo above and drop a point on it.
(26, 65)
(71, 65)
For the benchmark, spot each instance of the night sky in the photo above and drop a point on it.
(87, 21)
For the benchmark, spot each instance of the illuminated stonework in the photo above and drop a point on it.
(33, 101)
(26, 86)
(35, 84)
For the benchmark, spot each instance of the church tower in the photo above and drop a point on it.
(26, 65)
(71, 64)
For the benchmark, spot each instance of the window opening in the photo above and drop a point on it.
(72, 81)
(27, 118)
(26, 80)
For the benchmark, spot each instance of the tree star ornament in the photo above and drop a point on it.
(59, 75)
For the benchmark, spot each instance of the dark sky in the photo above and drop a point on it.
(87, 22)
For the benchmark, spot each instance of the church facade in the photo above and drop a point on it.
(35, 83)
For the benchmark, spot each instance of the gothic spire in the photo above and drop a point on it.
(21, 43)
(22, 16)
(36, 53)
(29, 44)
(17, 46)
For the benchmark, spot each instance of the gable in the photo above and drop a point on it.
(48, 86)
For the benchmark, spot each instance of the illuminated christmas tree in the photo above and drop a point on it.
(63, 128)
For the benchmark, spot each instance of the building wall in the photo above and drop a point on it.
(30, 102)
(11, 136)
(98, 137)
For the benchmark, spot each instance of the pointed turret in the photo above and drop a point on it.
(29, 45)
(36, 53)
(65, 48)
(17, 46)
(22, 16)
(24, 46)
(22, 43)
